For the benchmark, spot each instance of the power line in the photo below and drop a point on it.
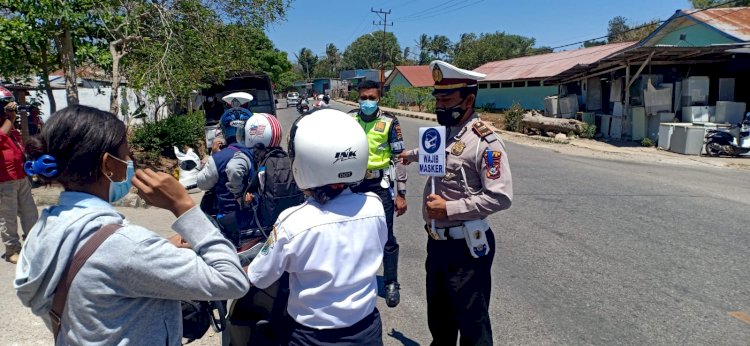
(438, 7)
(442, 12)
(648, 24)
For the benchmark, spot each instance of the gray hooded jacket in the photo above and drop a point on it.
(128, 291)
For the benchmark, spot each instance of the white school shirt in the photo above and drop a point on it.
(332, 253)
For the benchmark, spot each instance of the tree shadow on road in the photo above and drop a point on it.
(402, 338)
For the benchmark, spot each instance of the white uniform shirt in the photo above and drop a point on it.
(332, 253)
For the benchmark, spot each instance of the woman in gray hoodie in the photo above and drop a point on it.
(129, 290)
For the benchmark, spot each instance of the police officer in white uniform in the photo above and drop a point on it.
(332, 245)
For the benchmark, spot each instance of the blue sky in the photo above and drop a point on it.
(313, 24)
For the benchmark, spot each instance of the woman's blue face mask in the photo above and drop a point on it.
(119, 189)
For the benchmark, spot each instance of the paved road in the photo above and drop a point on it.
(592, 252)
(601, 252)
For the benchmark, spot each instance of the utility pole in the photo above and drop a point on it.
(385, 24)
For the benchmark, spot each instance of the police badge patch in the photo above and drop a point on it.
(269, 242)
(458, 148)
(492, 162)
(380, 126)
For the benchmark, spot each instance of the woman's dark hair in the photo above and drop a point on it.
(326, 193)
(77, 137)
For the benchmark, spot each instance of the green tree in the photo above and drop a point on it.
(66, 28)
(440, 46)
(130, 22)
(408, 61)
(619, 31)
(465, 38)
(329, 66)
(476, 51)
(199, 48)
(139, 39)
(424, 43)
(715, 3)
(307, 60)
(594, 43)
(364, 52)
(27, 51)
(287, 79)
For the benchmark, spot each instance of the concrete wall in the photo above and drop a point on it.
(97, 97)
(528, 97)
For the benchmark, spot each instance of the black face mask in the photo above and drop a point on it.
(450, 116)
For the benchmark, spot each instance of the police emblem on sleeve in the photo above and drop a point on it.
(492, 162)
(458, 148)
(269, 242)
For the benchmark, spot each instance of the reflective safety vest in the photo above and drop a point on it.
(377, 139)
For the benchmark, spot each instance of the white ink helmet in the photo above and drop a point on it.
(330, 148)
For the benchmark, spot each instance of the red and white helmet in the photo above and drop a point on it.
(6, 95)
(264, 129)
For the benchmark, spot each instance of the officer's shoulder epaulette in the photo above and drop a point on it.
(484, 131)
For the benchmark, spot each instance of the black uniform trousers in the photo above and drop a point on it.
(367, 332)
(458, 292)
(373, 185)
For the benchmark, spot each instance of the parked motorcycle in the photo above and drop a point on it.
(717, 143)
(260, 317)
(189, 167)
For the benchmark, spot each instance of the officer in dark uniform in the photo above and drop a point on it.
(384, 172)
(477, 184)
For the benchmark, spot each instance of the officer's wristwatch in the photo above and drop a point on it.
(402, 193)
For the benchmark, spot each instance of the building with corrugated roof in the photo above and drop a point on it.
(410, 76)
(524, 80)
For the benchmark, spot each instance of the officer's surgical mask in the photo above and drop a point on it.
(368, 107)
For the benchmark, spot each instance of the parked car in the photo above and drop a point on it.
(257, 84)
(292, 99)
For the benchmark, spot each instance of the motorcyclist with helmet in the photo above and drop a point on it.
(332, 245)
(225, 175)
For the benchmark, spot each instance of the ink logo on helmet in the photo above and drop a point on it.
(431, 141)
(437, 74)
(347, 154)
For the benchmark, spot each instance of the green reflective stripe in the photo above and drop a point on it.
(377, 139)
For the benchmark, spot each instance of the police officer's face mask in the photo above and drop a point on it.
(451, 116)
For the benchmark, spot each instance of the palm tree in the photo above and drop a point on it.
(307, 61)
(439, 44)
(423, 43)
(333, 57)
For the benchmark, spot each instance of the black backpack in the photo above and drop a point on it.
(279, 190)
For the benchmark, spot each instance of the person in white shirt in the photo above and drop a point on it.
(332, 245)
(321, 102)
